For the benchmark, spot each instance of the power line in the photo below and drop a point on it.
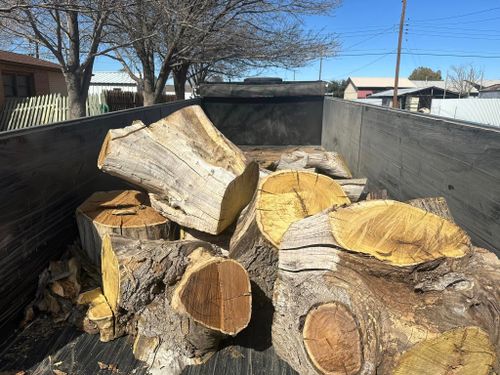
(457, 16)
(365, 66)
(418, 54)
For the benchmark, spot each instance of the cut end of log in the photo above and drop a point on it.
(464, 351)
(397, 233)
(332, 340)
(288, 196)
(110, 273)
(121, 208)
(216, 293)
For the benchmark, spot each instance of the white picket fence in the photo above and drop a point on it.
(18, 113)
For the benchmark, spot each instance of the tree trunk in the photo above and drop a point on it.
(281, 199)
(187, 300)
(329, 163)
(124, 212)
(77, 98)
(376, 309)
(195, 176)
(180, 78)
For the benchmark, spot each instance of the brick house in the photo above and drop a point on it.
(24, 76)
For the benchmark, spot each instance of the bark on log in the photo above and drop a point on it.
(329, 163)
(344, 310)
(195, 176)
(282, 198)
(123, 212)
(221, 241)
(436, 205)
(178, 297)
(355, 188)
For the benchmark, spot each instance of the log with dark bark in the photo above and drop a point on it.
(329, 163)
(381, 287)
(282, 198)
(179, 297)
(195, 176)
(124, 212)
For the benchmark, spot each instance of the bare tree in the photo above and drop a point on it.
(256, 33)
(464, 78)
(72, 31)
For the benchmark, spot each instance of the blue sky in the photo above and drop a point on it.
(368, 29)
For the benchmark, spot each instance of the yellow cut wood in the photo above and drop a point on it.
(397, 233)
(460, 351)
(288, 196)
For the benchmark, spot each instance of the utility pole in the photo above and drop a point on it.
(398, 59)
(320, 65)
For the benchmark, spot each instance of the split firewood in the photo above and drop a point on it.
(179, 297)
(124, 212)
(385, 287)
(99, 313)
(329, 163)
(195, 176)
(354, 188)
(282, 198)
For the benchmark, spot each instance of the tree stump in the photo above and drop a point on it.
(381, 287)
(329, 163)
(123, 212)
(282, 198)
(179, 297)
(195, 176)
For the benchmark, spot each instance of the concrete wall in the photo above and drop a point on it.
(46, 172)
(414, 155)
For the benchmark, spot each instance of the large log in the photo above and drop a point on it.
(179, 297)
(123, 212)
(381, 287)
(195, 176)
(282, 198)
(329, 163)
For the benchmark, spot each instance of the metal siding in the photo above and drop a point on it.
(483, 111)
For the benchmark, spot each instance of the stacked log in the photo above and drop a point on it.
(385, 287)
(281, 199)
(194, 175)
(357, 284)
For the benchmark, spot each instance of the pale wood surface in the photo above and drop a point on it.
(195, 176)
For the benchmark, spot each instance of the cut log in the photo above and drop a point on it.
(179, 297)
(348, 311)
(123, 212)
(195, 176)
(282, 198)
(329, 163)
(355, 188)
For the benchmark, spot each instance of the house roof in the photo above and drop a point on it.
(401, 92)
(17, 58)
(491, 88)
(487, 83)
(381, 82)
(112, 78)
